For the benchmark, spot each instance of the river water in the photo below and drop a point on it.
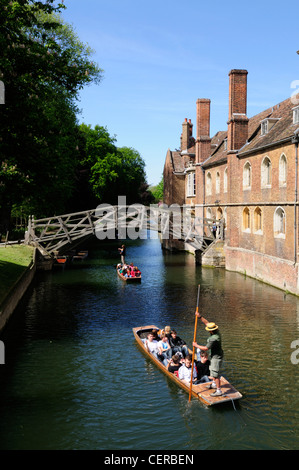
(74, 377)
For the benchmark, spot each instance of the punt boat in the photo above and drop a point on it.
(128, 279)
(200, 391)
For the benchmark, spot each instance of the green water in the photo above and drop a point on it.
(75, 379)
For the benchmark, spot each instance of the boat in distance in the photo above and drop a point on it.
(134, 278)
(200, 391)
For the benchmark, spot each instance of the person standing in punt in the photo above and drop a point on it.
(214, 348)
(122, 252)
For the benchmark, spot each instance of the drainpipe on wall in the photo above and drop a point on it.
(295, 140)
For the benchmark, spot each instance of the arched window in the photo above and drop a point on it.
(266, 173)
(247, 176)
(209, 214)
(279, 223)
(257, 220)
(217, 182)
(246, 220)
(225, 217)
(225, 181)
(209, 184)
(282, 170)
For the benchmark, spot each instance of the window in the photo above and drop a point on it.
(225, 181)
(267, 124)
(264, 127)
(279, 223)
(217, 182)
(246, 220)
(225, 144)
(257, 220)
(282, 170)
(266, 172)
(209, 184)
(296, 115)
(191, 184)
(247, 176)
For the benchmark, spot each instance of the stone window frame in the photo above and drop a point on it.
(266, 173)
(279, 223)
(217, 182)
(225, 174)
(246, 220)
(209, 182)
(283, 168)
(247, 175)
(295, 115)
(258, 221)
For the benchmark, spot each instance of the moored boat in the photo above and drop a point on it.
(199, 391)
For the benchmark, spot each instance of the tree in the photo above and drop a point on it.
(43, 65)
(106, 171)
(157, 191)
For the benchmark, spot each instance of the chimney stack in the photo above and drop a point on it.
(237, 134)
(203, 141)
(186, 137)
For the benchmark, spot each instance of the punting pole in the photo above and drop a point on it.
(194, 339)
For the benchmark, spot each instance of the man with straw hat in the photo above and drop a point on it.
(216, 353)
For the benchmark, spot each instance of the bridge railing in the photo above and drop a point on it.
(58, 233)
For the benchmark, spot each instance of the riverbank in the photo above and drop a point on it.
(17, 269)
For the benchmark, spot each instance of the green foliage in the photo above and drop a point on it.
(157, 191)
(43, 65)
(108, 171)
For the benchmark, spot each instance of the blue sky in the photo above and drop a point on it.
(159, 57)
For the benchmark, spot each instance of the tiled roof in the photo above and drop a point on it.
(282, 129)
(177, 161)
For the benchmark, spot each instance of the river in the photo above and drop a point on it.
(74, 377)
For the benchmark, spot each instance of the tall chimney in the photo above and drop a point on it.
(203, 141)
(237, 134)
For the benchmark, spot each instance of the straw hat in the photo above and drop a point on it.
(211, 327)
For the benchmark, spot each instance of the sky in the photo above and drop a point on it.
(160, 56)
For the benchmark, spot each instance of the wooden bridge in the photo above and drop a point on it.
(57, 234)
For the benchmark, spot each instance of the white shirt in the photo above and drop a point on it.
(185, 373)
(152, 346)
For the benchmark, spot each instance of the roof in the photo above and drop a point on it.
(282, 129)
(177, 161)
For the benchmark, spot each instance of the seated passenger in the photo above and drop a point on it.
(137, 272)
(185, 371)
(177, 344)
(151, 345)
(175, 363)
(203, 368)
(164, 348)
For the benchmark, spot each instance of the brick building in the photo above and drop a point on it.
(248, 175)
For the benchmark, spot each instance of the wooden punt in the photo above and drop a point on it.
(200, 391)
(128, 279)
